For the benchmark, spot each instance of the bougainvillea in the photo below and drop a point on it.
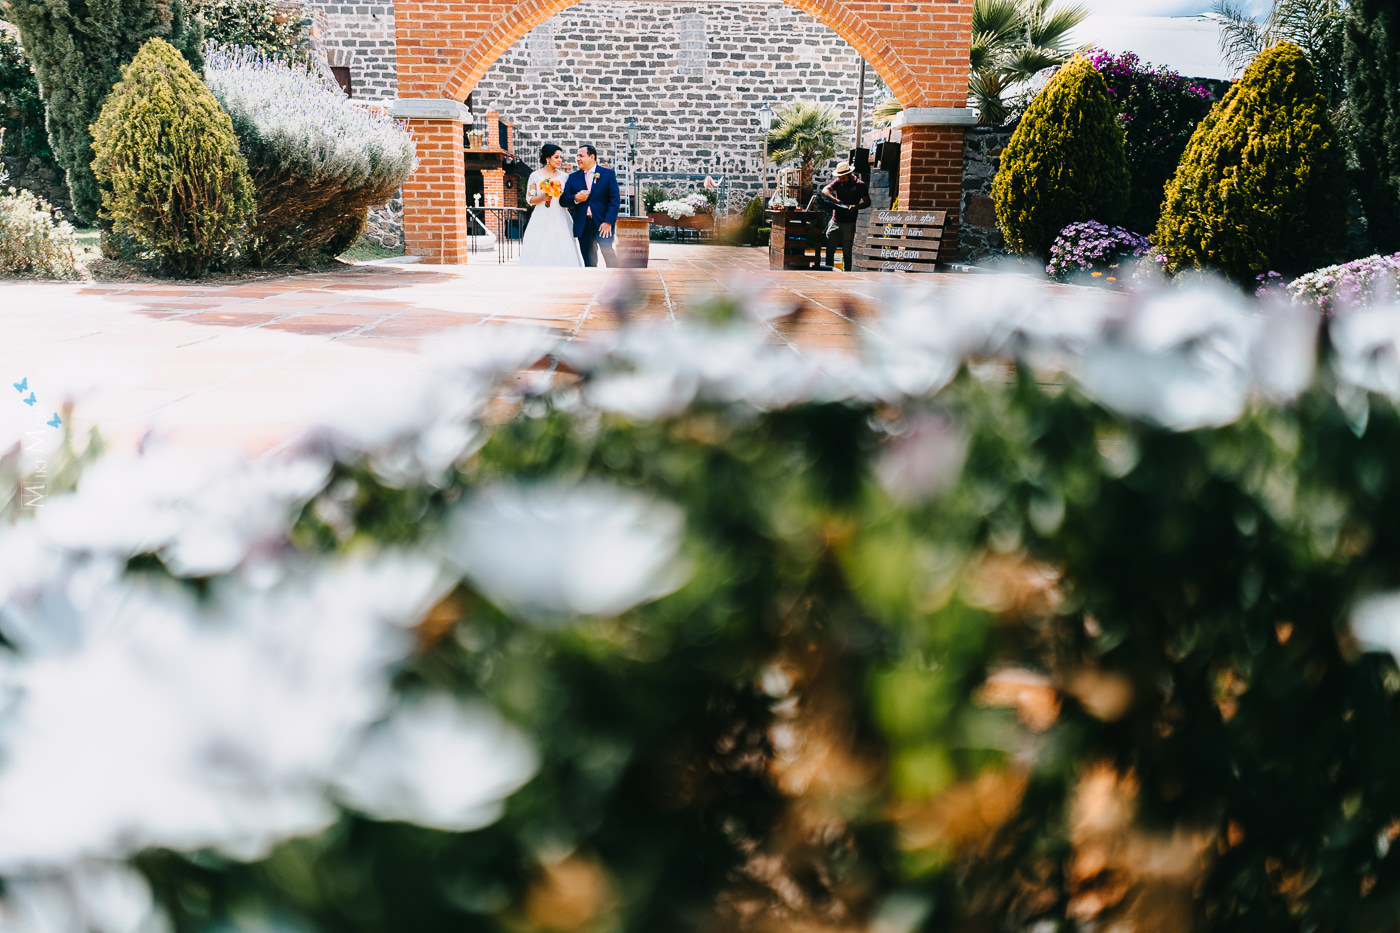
(1158, 110)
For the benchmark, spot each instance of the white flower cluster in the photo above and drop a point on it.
(676, 208)
(305, 121)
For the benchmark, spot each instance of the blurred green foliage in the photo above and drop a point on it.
(1100, 674)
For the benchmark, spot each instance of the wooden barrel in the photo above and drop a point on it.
(632, 242)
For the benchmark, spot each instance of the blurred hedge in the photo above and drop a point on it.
(1030, 615)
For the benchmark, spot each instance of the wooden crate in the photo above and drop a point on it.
(796, 239)
(900, 241)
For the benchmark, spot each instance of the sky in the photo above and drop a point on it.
(1163, 7)
(1167, 33)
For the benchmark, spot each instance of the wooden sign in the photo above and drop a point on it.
(900, 241)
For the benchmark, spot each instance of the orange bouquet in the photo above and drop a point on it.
(551, 189)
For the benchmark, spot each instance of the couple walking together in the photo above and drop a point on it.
(574, 212)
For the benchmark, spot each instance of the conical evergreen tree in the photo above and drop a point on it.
(1372, 60)
(167, 153)
(78, 48)
(1063, 164)
(1260, 186)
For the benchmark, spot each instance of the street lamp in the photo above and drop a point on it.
(765, 123)
(633, 130)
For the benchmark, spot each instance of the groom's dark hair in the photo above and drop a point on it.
(590, 150)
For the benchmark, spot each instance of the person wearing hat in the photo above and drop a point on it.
(848, 195)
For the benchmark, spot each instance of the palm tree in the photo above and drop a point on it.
(1012, 42)
(806, 131)
(1315, 26)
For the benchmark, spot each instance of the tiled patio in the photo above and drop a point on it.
(249, 364)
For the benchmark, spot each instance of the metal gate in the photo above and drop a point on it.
(496, 229)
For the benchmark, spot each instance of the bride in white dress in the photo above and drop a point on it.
(549, 236)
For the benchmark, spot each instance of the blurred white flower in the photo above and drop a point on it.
(643, 396)
(554, 550)
(90, 897)
(439, 763)
(488, 353)
(186, 724)
(1367, 344)
(1375, 621)
(1181, 359)
(923, 460)
(203, 512)
(412, 433)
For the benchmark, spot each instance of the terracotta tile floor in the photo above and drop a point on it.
(248, 364)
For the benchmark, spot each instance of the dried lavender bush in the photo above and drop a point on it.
(317, 160)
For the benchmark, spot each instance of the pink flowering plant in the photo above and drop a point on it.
(1158, 110)
(1359, 282)
(1094, 248)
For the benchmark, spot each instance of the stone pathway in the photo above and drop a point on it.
(248, 365)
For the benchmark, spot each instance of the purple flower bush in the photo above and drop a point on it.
(1089, 246)
(1359, 282)
(318, 160)
(1158, 110)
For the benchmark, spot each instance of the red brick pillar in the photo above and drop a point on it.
(493, 187)
(931, 165)
(435, 195)
(493, 129)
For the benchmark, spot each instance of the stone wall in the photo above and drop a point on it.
(35, 175)
(693, 74)
(360, 36)
(979, 236)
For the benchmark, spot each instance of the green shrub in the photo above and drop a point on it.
(652, 195)
(273, 27)
(1260, 186)
(317, 159)
(78, 51)
(32, 240)
(178, 183)
(1064, 163)
(1372, 60)
(21, 107)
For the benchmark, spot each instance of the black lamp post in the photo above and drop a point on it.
(765, 123)
(633, 130)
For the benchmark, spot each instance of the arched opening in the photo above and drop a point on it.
(444, 52)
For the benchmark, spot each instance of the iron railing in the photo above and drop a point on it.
(496, 229)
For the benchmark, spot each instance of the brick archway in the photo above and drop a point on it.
(919, 48)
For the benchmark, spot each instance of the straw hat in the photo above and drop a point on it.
(844, 168)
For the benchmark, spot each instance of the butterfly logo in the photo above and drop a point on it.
(31, 400)
(55, 421)
(22, 386)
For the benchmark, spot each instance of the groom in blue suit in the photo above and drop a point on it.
(593, 197)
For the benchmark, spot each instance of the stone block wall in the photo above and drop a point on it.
(693, 74)
(360, 36)
(979, 235)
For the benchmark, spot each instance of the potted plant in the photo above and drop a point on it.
(476, 139)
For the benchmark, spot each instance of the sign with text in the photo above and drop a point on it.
(900, 241)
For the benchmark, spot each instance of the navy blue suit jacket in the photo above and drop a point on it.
(604, 199)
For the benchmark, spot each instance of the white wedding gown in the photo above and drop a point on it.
(549, 237)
